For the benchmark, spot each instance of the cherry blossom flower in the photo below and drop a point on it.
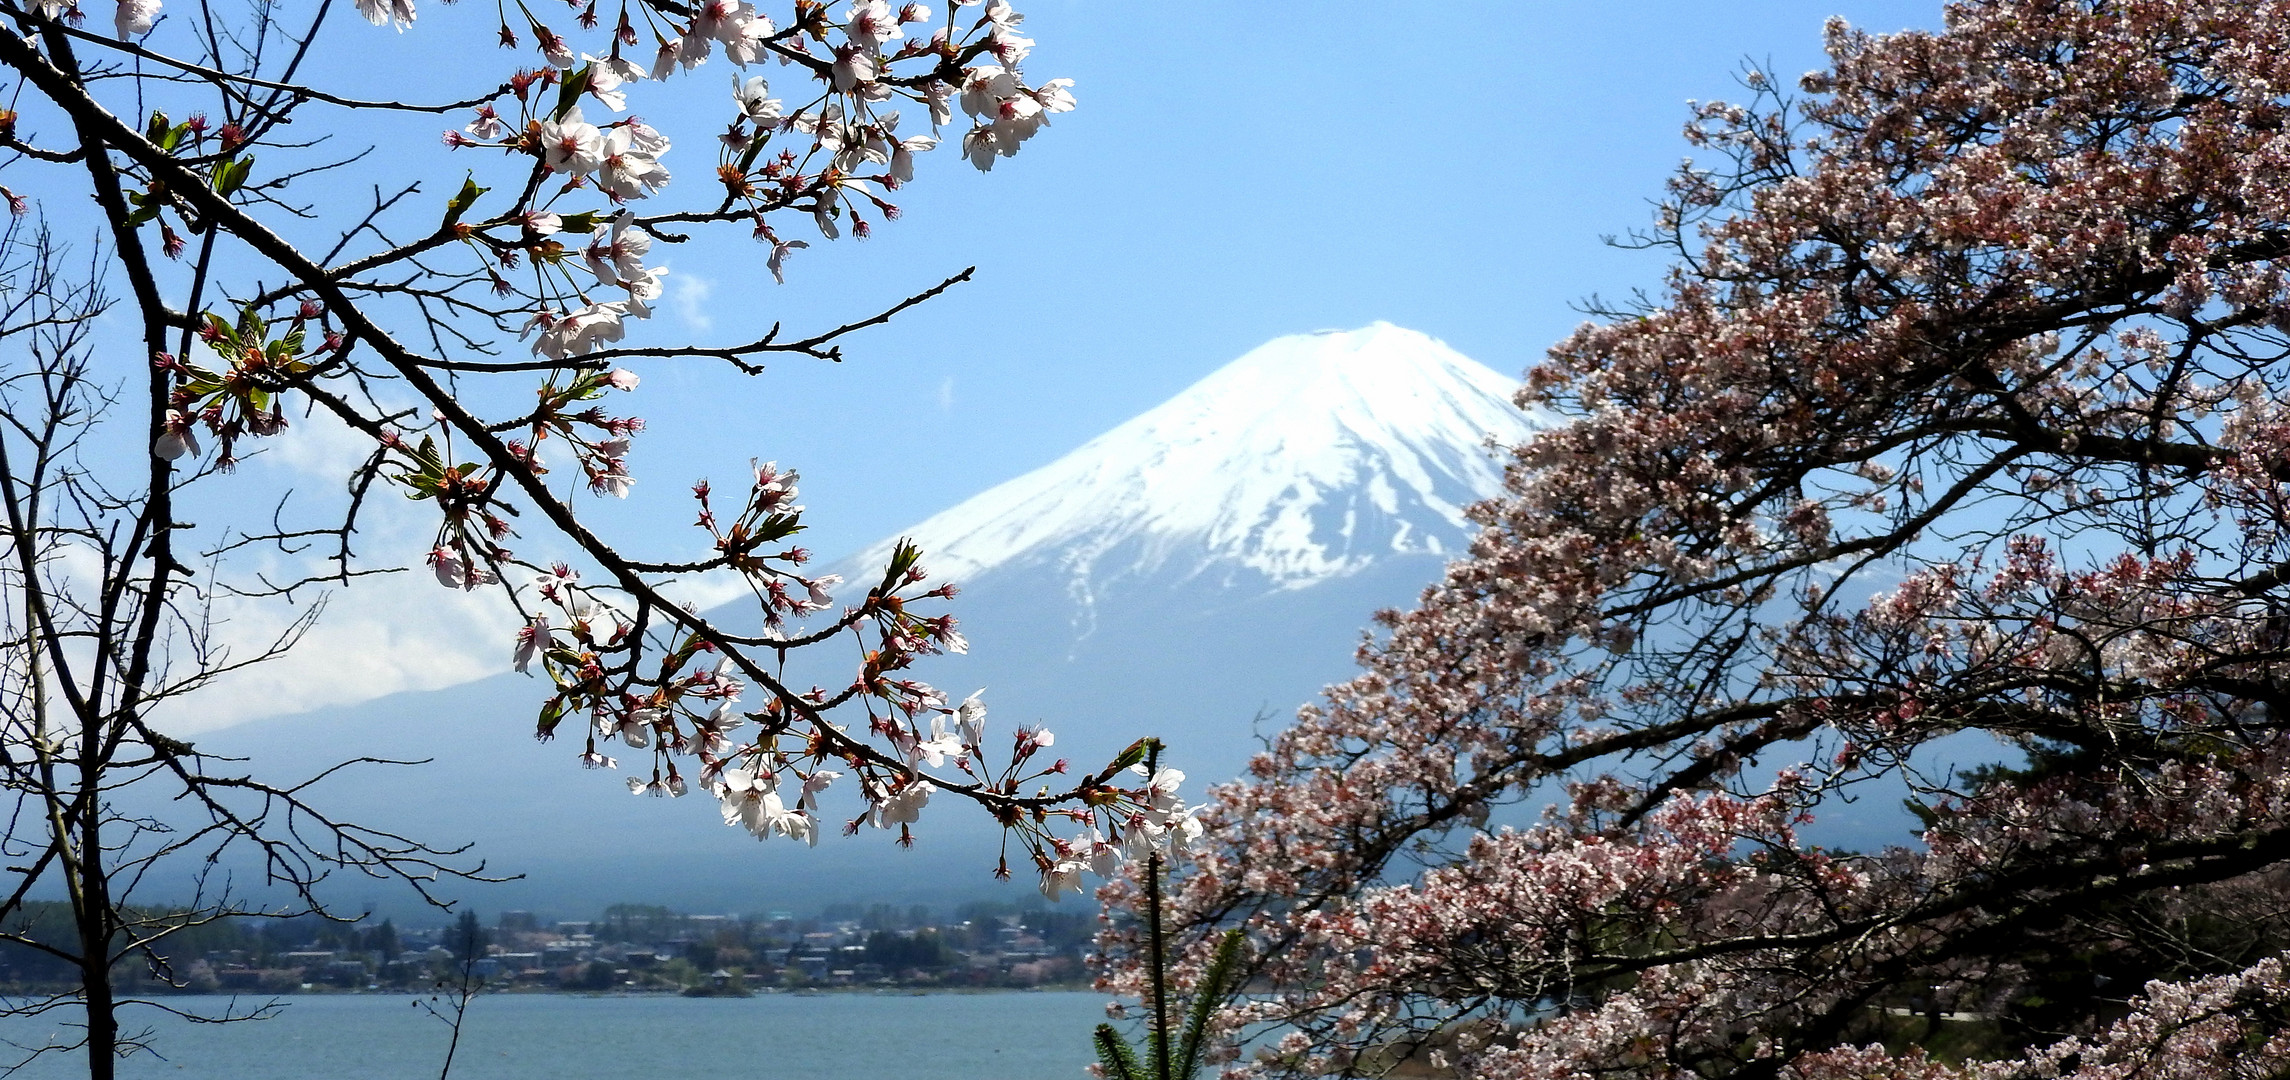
(610, 477)
(626, 172)
(934, 750)
(664, 62)
(532, 638)
(902, 808)
(644, 137)
(754, 100)
(939, 95)
(854, 68)
(818, 780)
(582, 331)
(488, 126)
(135, 17)
(605, 79)
(870, 24)
(777, 263)
(397, 14)
(985, 87)
(979, 147)
(621, 68)
(819, 589)
(886, 146)
(1056, 95)
(618, 254)
(452, 571)
(1062, 877)
(970, 719)
(570, 144)
(554, 48)
(178, 438)
(735, 23)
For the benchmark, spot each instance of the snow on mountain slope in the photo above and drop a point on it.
(1307, 459)
(1192, 575)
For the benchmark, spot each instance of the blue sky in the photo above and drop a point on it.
(1234, 172)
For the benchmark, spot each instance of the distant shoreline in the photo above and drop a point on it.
(633, 992)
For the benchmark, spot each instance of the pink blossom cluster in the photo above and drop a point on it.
(1955, 432)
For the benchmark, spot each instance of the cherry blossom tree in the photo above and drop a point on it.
(477, 333)
(1951, 461)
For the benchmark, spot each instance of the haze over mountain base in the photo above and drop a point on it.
(1194, 574)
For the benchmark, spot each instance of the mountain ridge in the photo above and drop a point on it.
(1200, 613)
(1308, 458)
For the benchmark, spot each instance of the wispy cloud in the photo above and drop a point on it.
(707, 590)
(316, 444)
(381, 636)
(691, 300)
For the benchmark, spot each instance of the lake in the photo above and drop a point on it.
(843, 1036)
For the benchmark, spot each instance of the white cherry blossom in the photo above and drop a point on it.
(583, 331)
(1062, 877)
(488, 125)
(870, 24)
(619, 252)
(626, 172)
(604, 82)
(754, 99)
(570, 144)
(135, 17)
(986, 86)
(393, 13)
(904, 808)
(970, 719)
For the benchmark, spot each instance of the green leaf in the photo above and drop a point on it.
(156, 129)
(779, 527)
(1133, 755)
(462, 200)
(551, 714)
(583, 222)
(227, 335)
(1216, 985)
(1114, 1054)
(1923, 813)
(426, 453)
(903, 557)
(231, 175)
(570, 91)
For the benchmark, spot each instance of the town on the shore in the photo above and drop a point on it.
(630, 948)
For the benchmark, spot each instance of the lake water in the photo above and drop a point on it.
(857, 1036)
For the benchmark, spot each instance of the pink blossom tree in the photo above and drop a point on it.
(1959, 432)
(478, 335)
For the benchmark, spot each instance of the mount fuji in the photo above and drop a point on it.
(1311, 458)
(1203, 567)
(1212, 561)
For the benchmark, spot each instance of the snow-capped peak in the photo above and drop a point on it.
(1308, 458)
